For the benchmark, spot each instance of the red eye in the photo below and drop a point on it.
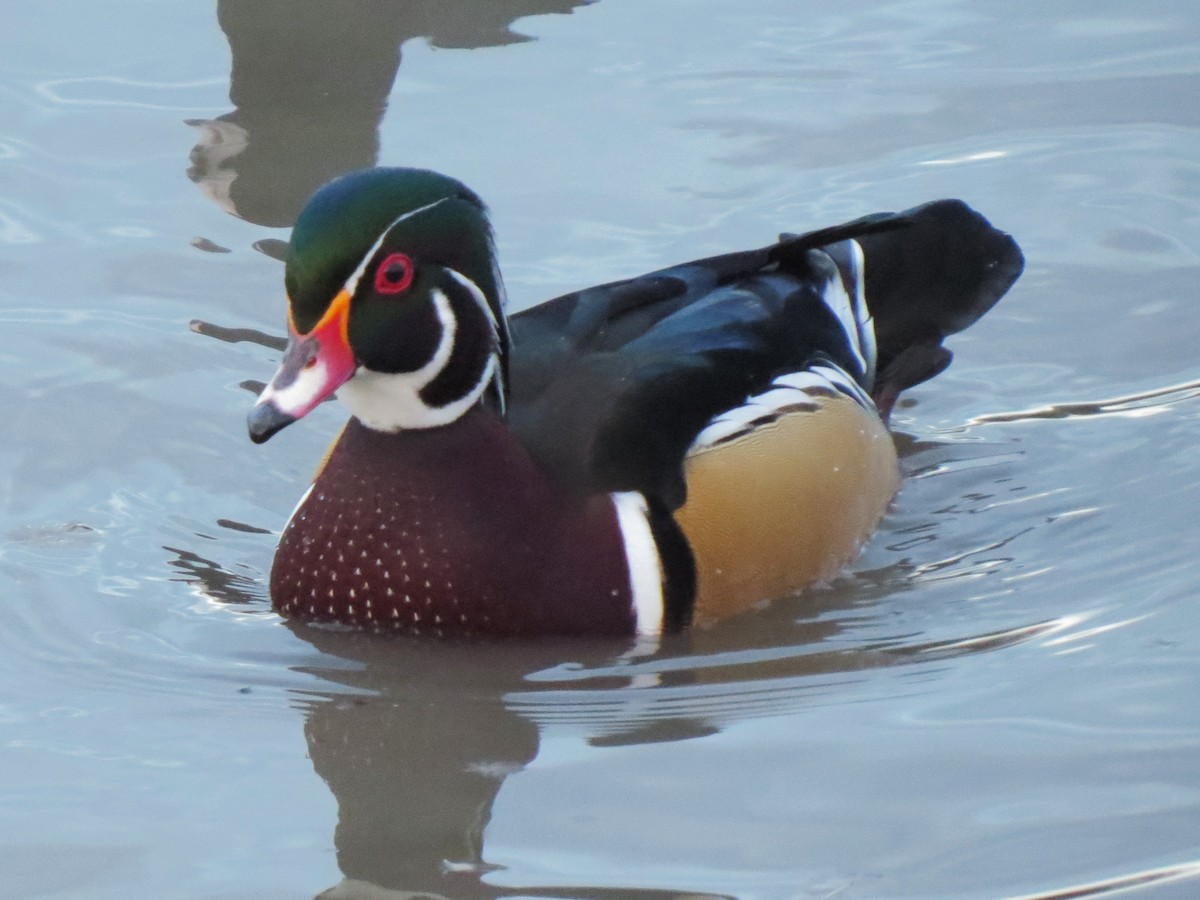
(395, 274)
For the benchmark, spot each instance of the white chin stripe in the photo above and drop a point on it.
(480, 300)
(643, 560)
(393, 402)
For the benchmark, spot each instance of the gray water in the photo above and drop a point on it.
(998, 698)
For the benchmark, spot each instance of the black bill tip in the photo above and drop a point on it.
(264, 420)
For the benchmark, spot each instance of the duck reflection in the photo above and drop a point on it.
(415, 737)
(310, 81)
(415, 743)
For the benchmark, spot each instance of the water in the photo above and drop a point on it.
(998, 698)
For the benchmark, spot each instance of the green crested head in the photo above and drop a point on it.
(396, 304)
(344, 220)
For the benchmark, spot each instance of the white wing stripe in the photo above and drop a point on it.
(838, 301)
(862, 313)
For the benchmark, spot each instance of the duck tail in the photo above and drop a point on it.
(926, 273)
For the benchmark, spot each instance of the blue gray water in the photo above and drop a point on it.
(998, 698)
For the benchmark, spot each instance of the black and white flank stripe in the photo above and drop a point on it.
(801, 390)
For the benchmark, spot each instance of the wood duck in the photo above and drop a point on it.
(627, 459)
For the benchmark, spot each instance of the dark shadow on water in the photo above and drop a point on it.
(310, 82)
(238, 335)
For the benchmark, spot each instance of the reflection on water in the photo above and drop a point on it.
(417, 751)
(415, 754)
(1143, 403)
(310, 85)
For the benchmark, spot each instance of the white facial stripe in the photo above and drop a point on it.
(352, 282)
(481, 301)
(642, 557)
(497, 280)
(441, 356)
(453, 410)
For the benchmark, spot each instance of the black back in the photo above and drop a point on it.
(609, 386)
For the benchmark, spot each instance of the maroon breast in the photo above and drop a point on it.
(450, 530)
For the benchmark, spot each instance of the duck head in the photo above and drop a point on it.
(394, 301)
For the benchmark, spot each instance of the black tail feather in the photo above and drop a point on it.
(935, 277)
(792, 247)
(931, 278)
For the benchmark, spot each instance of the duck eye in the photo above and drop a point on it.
(394, 275)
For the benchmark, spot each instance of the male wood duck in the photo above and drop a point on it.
(627, 459)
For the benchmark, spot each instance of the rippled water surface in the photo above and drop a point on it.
(999, 698)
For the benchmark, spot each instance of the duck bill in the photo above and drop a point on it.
(314, 365)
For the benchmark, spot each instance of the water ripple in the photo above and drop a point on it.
(1119, 884)
(1138, 405)
(104, 90)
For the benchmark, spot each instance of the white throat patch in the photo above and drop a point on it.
(388, 401)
